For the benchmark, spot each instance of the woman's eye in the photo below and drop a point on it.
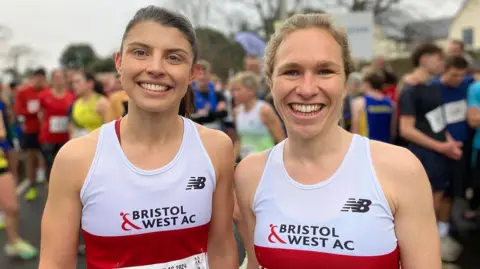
(140, 53)
(174, 58)
(325, 72)
(291, 72)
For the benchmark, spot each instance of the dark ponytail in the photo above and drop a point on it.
(97, 85)
(187, 106)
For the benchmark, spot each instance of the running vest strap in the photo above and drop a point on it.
(254, 135)
(133, 217)
(376, 119)
(343, 222)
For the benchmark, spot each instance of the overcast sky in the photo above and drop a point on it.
(49, 25)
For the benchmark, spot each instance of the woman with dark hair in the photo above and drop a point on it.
(152, 189)
(89, 111)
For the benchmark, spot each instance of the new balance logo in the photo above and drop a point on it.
(196, 183)
(357, 206)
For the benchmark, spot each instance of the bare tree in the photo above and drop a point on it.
(198, 11)
(376, 6)
(270, 11)
(15, 54)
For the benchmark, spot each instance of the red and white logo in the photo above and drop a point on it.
(273, 234)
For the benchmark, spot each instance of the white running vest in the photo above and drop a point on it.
(133, 218)
(343, 222)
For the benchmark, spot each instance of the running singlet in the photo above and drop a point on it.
(254, 135)
(156, 218)
(344, 222)
(28, 106)
(85, 116)
(376, 119)
(55, 117)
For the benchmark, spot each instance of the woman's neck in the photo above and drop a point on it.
(421, 74)
(250, 104)
(374, 93)
(87, 95)
(318, 147)
(153, 129)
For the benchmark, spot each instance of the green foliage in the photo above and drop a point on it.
(222, 53)
(78, 56)
(106, 64)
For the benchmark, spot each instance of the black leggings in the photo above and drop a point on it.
(49, 151)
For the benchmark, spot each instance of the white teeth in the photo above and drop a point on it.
(153, 87)
(306, 108)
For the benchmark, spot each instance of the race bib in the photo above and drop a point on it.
(456, 111)
(33, 106)
(436, 120)
(58, 124)
(198, 261)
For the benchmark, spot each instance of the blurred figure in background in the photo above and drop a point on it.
(456, 47)
(454, 86)
(258, 126)
(89, 111)
(54, 109)
(473, 117)
(210, 105)
(354, 83)
(373, 114)
(27, 105)
(118, 103)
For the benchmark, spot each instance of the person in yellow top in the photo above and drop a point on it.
(118, 106)
(89, 111)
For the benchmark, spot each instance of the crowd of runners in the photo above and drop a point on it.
(143, 166)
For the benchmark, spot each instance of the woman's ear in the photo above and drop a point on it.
(118, 61)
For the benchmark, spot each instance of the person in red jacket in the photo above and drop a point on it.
(27, 106)
(54, 108)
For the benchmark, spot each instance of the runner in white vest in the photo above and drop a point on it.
(324, 198)
(153, 189)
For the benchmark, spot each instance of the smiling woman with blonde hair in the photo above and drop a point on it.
(325, 197)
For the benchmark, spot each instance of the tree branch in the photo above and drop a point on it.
(379, 9)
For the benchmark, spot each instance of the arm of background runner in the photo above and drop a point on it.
(407, 123)
(3, 131)
(20, 104)
(273, 123)
(236, 142)
(409, 195)
(247, 177)
(71, 125)
(358, 104)
(393, 123)
(115, 108)
(222, 251)
(61, 217)
(102, 107)
(473, 112)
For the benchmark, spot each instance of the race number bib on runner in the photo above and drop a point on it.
(198, 261)
(58, 124)
(33, 106)
(436, 120)
(456, 111)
